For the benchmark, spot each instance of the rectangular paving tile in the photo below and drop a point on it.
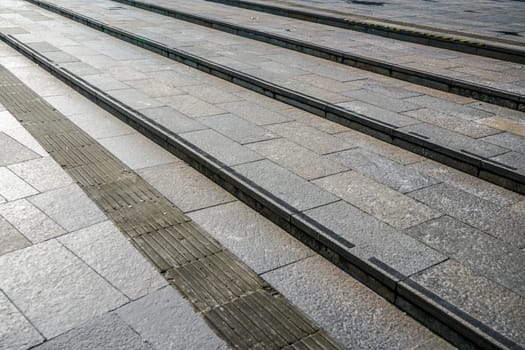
(8, 121)
(210, 94)
(448, 107)
(42, 173)
(13, 187)
(297, 159)
(502, 223)
(173, 120)
(10, 238)
(106, 83)
(191, 106)
(255, 113)
(314, 121)
(379, 114)
(382, 101)
(47, 279)
(101, 125)
(382, 170)
(508, 140)
(13, 151)
(501, 123)
(155, 88)
(16, 332)
(513, 160)
(22, 136)
(288, 187)
(237, 128)
(135, 99)
(374, 238)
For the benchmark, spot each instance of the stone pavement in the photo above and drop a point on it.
(61, 256)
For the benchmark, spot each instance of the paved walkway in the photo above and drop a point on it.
(101, 291)
(430, 214)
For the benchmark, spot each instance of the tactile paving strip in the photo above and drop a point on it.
(240, 306)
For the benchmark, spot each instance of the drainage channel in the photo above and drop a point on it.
(425, 306)
(464, 161)
(240, 306)
(420, 77)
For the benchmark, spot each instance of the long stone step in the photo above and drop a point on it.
(398, 263)
(422, 129)
(307, 39)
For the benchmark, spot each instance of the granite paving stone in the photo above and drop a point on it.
(508, 140)
(136, 99)
(381, 100)
(167, 321)
(220, 147)
(237, 128)
(382, 170)
(73, 103)
(500, 222)
(106, 82)
(80, 68)
(104, 248)
(314, 121)
(501, 123)
(43, 174)
(496, 306)
(377, 113)
(101, 125)
(297, 159)
(309, 137)
(8, 122)
(378, 200)
(155, 88)
(13, 151)
(402, 253)
(210, 94)
(106, 332)
(191, 106)
(16, 333)
(37, 78)
(22, 136)
(512, 160)
(47, 279)
(255, 113)
(453, 109)
(286, 186)
(12, 187)
(259, 243)
(512, 114)
(348, 311)
(10, 239)
(69, 207)
(173, 120)
(325, 83)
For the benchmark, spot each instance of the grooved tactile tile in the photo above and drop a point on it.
(240, 306)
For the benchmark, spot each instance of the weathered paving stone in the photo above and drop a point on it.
(191, 106)
(106, 332)
(44, 174)
(314, 121)
(467, 183)
(297, 159)
(185, 187)
(155, 88)
(12, 187)
(10, 239)
(515, 127)
(500, 222)
(309, 137)
(382, 101)
(136, 151)
(104, 248)
(22, 136)
(237, 128)
(210, 94)
(448, 107)
(80, 68)
(255, 113)
(30, 221)
(167, 321)
(135, 99)
(513, 160)
(8, 122)
(107, 83)
(288, 187)
(349, 311)
(378, 200)
(402, 253)
(455, 141)
(382, 170)
(173, 120)
(260, 244)
(73, 103)
(380, 114)
(13, 151)
(60, 57)
(16, 333)
(498, 110)
(69, 207)
(46, 279)
(497, 307)
(220, 147)
(508, 140)
(101, 125)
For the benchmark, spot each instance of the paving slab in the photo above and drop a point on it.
(173, 120)
(16, 333)
(13, 187)
(13, 151)
(191, 106)
(255, 113)
(10, 238)
(237, 128)
(43, 174)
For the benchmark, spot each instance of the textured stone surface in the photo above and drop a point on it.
(285, 185)
(104, 248)
(173, 120)
(101, 125)
(8, 122)
(483, 299)
(12, 187)
(382, 170)
(136, 99)
(260, 244)
(448, 107)
(16, 333)
(508, 140)
(353, 314)
(13, 151)
(297, 159)
(314, 121)
(167, 321)
(378, 113)
(191, 106)
(514, 160)
(69, 207)
(506, 124)
(237, 128)
(107, 332)
(22, 136)
(44, 174)
(378, 99)
(10, 238)
(46, 279)
(373, 238)
(255, 113)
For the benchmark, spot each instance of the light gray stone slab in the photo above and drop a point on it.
(185, 187)
(60, 57)
(508, 140)
(135, 99)
(73, 103)
(220, 147)
(167, 321)
(350, 312)
(13, 151)
(382, 170)
(374, 238)
(80, 68)
(451, 108)
(136, 151)
(255, 113)
(107, 332)
(211, 94)
(288, 187)
(259, 243)
(22, 136)
(314, 121)
(479, 297)
(297, 159)
(237, 128)
(104, 248)
(377, 113)
(10, 239)
(69, 207)
(16, 333)
(46, 279)
(191, 106)
(101, 125)
(155, 88)
(7, 122)
(43, 174)
(173, 120)
(106, 83)
(309, 137)
(12, 187)
(382, 101)
(514, 160)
